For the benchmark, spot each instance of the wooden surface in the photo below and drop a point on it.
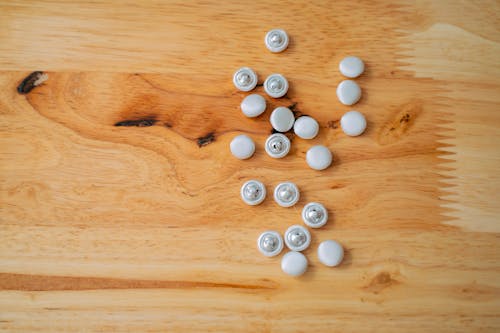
(119, 228)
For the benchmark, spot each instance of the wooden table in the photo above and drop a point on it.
(141, 228)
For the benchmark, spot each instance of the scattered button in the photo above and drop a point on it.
(306, 127)
(245, 79)
(253, 192)
(348, 92)
(286, 194)
(297, 238)
(294, 263)
(314, 215)
(276, 85)
(242, 147)
(319, 157)
(270, 243)
(253, 105)
(330, 253)
(353, 123)
(276, 40)
(277, 145)
(282, 119)
(351, 67)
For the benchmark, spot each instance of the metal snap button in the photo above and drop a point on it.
(353, 123)
(242, 147)
(314, 215)
(276, 40)
(276, 85)
(286, 194)
(270, 243)
(245, 79)
(330, 253)
(348, 92)
(297, 238)
(253, 192)
(294, 263)
(319, 157)
(306, 127)
(277, 145)
(351, 67)
(253, 105)
(282, 119)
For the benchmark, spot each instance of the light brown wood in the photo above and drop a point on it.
(124, 228)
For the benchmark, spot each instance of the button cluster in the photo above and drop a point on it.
(297, 238)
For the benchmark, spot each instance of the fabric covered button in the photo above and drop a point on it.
(348, 92)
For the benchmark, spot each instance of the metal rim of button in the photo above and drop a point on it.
(245, 79)
(348, 92)
(297, 238)
(294, 263)
(314, 215)
(277, 145)
(270, 243)
(253, 192)
(276, 85)
(276, 40)
(286, 194)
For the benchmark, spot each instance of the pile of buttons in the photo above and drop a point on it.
(297, 238)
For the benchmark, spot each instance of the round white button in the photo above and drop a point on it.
(245, 79)
(330, 253)
(353, 123)
(277, 145)
(253, 192)
(306, 127)
(319, 157)
(276, 40)
(253, 105)
(348, 92)
(270, 243)
(276, 85)
(297, 238)
(286, 194)
(314, 215)
(282, 119)
(351, 67)
(294, 263)
(242, 147)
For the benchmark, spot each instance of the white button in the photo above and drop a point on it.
(282, 119)
(306, 127)
(351, 67)
(314, 215)
(297, 238)
(286, 194)
(330, 253)
(277, 145)
(294, 263)
(348, 92)
(353, 123)
(276, 40)
(319, 157)
(253, 105)
(242, 147)
(253, 192)
(270, 243)
(245, 79)
(276, 85)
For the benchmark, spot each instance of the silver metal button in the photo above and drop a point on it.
(314, 215)
(245, 79)
(286, 194)
(277, 145)
(276, 85)
(253, 192)
(270, 243)
(276, 40)
(297, 238)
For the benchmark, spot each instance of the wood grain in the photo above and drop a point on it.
(119, 201)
